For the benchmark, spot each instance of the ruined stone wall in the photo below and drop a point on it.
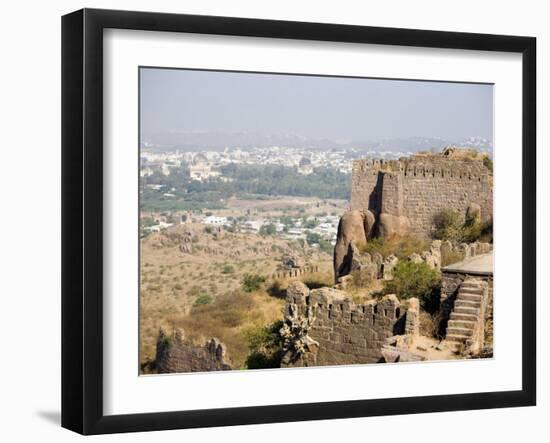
(294, 273)
(175, 355)
(345, 332)
(420, 187)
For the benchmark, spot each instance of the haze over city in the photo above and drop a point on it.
(219, 109)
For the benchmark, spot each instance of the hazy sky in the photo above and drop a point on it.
(314, 107)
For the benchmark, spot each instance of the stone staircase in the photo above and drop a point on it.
(467, 317)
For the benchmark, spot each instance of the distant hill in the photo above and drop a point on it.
(195, 141)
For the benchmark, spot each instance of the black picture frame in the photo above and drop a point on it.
(82, 218)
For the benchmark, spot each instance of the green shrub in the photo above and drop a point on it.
(203, 299)
(167, 341)
(252, 282)
(448, 226)
(268, 230)
(265, 346)
(414, 280)
(228, 269)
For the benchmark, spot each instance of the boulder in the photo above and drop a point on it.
(296, 291)
(292, 261)
(389, 264)
(393, 226)
(368, 223)
(351, 228)
(377, 258)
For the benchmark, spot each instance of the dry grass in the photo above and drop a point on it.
(228, 319)
(172, 281)
(318, 279)
(448, 257)
(429, 324)
(400, 247)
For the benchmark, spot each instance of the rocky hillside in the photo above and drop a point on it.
(190, 266)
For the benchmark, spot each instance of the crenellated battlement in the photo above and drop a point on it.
(346, 332)
(333, 304)
(427, 167)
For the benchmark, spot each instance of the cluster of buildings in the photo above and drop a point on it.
(325, 226)
(206, 164)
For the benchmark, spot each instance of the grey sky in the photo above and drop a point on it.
(315, 107)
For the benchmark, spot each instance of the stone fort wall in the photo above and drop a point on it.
(345, 332)
(421, 186)
(174, 354)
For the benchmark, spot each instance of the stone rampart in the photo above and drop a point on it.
(341, 331)
(421, 186)
(176, 355)
(294, 272)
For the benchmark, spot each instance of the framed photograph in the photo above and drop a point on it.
(269, 221)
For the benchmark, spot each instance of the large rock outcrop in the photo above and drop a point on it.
(393, 226)
(354, 226)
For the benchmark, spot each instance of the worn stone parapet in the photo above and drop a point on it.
(294, 273)
(468, 250)
(431, 257)
(426, 166)
(175, 355)
(345, 332)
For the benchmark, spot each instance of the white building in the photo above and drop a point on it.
(214, 220)
(159, 227)
(253, 225)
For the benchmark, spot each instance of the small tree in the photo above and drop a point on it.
(203, 299)
(312, 238)
(268, 230)
(448, 225)
(265, 346)
(414, 280)
(228, 269)
(252, 282)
